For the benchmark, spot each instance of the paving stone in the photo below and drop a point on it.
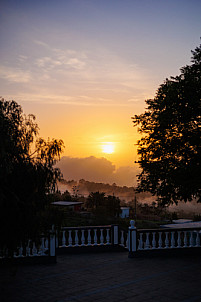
(104, 277)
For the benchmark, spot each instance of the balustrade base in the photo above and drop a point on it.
(174, 252)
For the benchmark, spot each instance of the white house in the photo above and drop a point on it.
(125, 212)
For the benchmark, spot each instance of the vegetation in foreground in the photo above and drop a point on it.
(27, 176)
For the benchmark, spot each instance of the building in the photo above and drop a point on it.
(124, 212)
(72, 205)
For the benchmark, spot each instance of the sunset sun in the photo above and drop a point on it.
(108, 148)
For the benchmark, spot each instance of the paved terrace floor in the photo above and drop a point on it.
(104, 277)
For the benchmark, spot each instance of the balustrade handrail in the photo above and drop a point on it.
(86, 227)
(168, 229)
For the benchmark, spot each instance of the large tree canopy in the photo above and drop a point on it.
(170, 148)
(27, 174)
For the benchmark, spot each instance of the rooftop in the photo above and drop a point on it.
(67, 203)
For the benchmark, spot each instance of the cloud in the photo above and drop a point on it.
(41, 43)
(97, 170)
(76, 63)
(67, 58)
(15, 75)
(89, 168)
(77, 100)
(125, 176)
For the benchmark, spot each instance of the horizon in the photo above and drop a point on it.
(84, 68)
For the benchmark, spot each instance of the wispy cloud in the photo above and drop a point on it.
(66, 100)
(79, 78)
(15, 75)
(41, 43)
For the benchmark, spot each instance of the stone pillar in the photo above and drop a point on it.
(115, 234)
(52, 251)
(132, 239)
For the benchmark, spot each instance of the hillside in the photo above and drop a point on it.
(84, 188)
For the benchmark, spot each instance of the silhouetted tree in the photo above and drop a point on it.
(95, 200)
(170, 148)
(101, 205)
(113, 206)
(27, 174)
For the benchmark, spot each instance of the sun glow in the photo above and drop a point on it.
(108, 148)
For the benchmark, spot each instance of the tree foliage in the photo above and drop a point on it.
(170, 148)
(27, 174)
(102, 205)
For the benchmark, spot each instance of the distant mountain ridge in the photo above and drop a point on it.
(84, 188)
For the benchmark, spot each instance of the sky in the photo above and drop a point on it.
(85, 67)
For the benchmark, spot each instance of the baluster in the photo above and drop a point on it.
(82, 239)
(76, 238)
(160, 242)
(179, 239)
(34, 250)
(127, 240)
(185, 239)
(108, 237)
(70, 238)
(47, 244)
(166, 240)
(154, 241)
(172, 240)
(147, 242)
(21, 252)
(95, 237)
(122, 238)
(42, 248)
(28, 250)
(64, 239)
(57, 239)
(89, 237)
(191, 239)
(197, 239)
(140, 247)
(101, 238)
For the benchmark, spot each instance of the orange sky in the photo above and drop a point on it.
(84, 130)
(84, 67)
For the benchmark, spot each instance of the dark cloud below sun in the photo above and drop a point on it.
(97, 170)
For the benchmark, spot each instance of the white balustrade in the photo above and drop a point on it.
(172, 239)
